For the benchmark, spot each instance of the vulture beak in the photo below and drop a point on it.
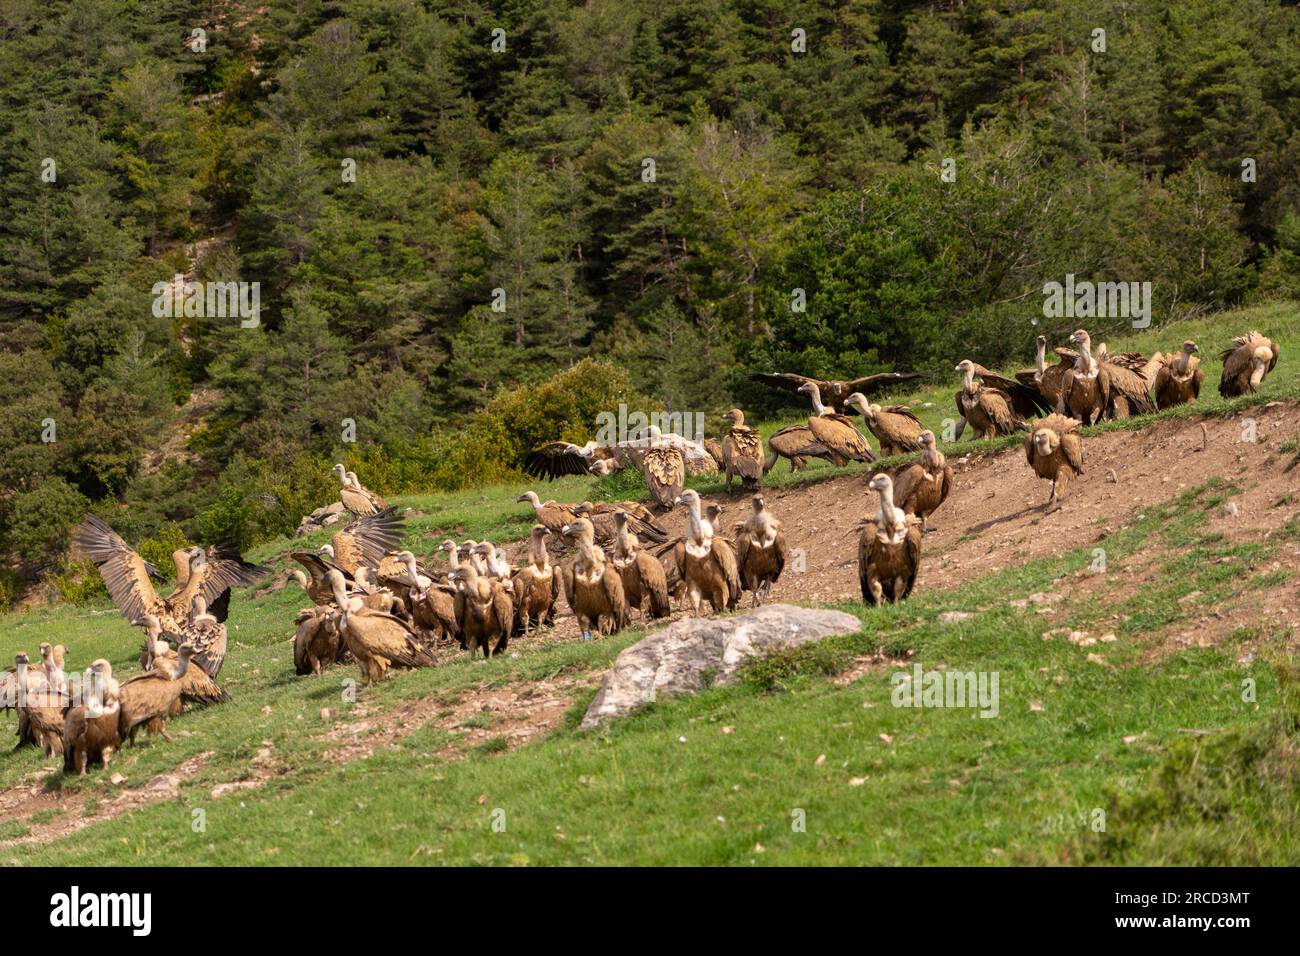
(522, 498)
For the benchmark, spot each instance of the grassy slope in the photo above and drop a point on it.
(947, 787)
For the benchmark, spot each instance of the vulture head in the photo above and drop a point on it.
(966, 367)
(736, 417)
(300, 576)
(531, 498)
(1046, 441)
(758, 504)
(341, 473)
(1041, 343)
(581, 529)
(1081, 338)
(620, 519)
(1259, 361)
(448, 546)
(859, 401)
(882, 484)
(812, 390)
(926, 438)
(690, 497)
(354, 481)
(1189, 348)
(327, 550)
(197, 560)
(602, 467)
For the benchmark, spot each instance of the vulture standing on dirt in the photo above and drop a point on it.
(91, 729)
(213, 572)
(989, 409)
(894, 426)
(760, 551)
(603, 517)
(1047, 378)
(376, 640)
(149, 699)
(594, 590)
(484, 610)
(796, 444)
(355, 496)
(537, 585)
(642, 573)
(707, 562)
(1246, 364)
(835, 431)
(1054, 447)
(889, 551)
(1179, 378)
(197, 686)
(920, 488)
(835, 392)
(1106, 386)
(742, 453)
(551, 515)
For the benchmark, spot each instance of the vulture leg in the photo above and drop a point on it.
(877, 589)
(900, 588)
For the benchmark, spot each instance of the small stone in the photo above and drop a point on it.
(116, 778)
(955, 617)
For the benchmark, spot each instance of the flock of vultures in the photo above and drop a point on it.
(375, 604)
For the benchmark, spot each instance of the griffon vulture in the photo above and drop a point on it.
(213, 571)
(151, 698)
(91, 729)
(642, 574)
(664, 469)
(317, 642)
(796, 444)
(1047, 378)
(551, 515)
(603, 517)
(989, 409)
(707, 562)
(376, 640)
(594, 590)
(889, 550)
(835, 431)
(1054, 447)
(355, 496)
(920, 488)
(41, 704)
(1246, 364)
(760, 551)
(894, 426)
(197, 686)
(742, 452)
(484, 610)
(537, 585)
(1179, 378)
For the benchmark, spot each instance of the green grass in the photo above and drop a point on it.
(895, 785)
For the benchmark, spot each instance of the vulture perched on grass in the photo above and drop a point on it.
(1179, 378)
(42, 701)
(889, 550)
(920, 488)
(484, 610)
(91, 728)
(760, 551)
(835, 392)
(150, 699)
(1131, 377)
(317, 642)
(1047, 378)
(1106, 386)
(355, 496)
(835, 431)
(376, 640)
(988, 408)
(796, 444)
(664, 469)
(1245, 365)
(594, 589)
(707, 562)
(537, 585)
(894, 426)
(1054, 447)
(742, 453)
(643, 576)
(213, 572)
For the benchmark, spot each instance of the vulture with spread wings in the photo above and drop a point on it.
(834, 393)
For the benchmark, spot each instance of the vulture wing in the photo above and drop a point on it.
(1025, 400)
(197, 687)
(797, 441)
(726, 558)
(870, 383)
(219, 606)
(841, 436)
(555, 460)
(225, 569)
(665, 475)
(125, 573)
(787, 380)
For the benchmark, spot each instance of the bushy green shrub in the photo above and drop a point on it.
(39, 521)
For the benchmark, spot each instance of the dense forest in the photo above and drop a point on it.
(474, 224)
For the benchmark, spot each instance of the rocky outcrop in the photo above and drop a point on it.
(332, 514)
(694, 653)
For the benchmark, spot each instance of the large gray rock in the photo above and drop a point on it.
(677, 659)
(332, 514)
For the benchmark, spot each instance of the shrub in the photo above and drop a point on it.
(39, 521)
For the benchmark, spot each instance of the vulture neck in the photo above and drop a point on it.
(1040, 361)
(701, 537)
(969, 385)
(411, 571)
(453, 559)
(182, 665)
(892, 521)
(1086, 362)
(817, 405)
(540, 556)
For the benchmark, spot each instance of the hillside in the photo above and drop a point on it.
(1122, 691)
